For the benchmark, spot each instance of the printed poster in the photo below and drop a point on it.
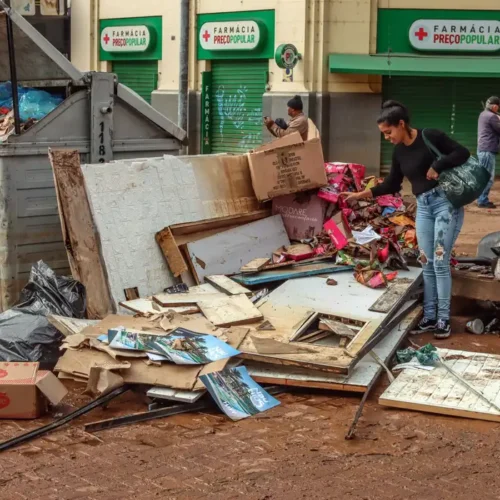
(24, 7)
(181, 346)
(237, 394)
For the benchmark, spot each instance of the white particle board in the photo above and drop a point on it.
(347, 299)
(226, 252)
(132, 200)
(438, 391)
(175, 395)
(147, 306)
(362, 376)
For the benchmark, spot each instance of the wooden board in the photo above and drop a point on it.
(438, 391)
(171, 238)
(195, 294)
(227, 285)
(175, 395)
(362, 376)
(70, 326)
(299, 271)
(255, 265)
(391, 296)
(336, 327)
(229, 310)
(146, 306)
(228, 251)
(79, 233)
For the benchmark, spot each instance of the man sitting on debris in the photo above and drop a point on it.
(298, 121)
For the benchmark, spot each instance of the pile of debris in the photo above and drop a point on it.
(209, 275)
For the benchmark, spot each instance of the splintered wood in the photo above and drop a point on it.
(439, 391)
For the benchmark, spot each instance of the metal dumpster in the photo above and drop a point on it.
(100, 118)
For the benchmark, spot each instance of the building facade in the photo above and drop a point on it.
(343, 57)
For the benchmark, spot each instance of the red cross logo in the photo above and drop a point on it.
(106, 39)
(206, 35)
(421, 34)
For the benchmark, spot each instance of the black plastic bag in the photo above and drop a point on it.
(46, 293)
(25, 333)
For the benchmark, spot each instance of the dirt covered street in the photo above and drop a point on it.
(294, 451)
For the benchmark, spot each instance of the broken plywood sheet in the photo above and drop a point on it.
(132, 200)
(291, 306)
(393, 295)
(227, 285)
(148, 307)
(438, 391)
(229, 310)
(362, 376)
(255, 265)
(228, 251)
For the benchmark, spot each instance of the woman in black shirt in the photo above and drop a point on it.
(438, 223)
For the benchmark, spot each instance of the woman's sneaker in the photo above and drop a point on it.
(443, 330)
(425, 325)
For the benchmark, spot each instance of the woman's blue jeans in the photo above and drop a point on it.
(438, 225)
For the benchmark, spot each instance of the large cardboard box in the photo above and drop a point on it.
(24, 390)
(287, 165)
(303, 214)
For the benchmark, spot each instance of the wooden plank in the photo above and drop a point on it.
(70, 326)
(79, 233)
(229, 310)
(299, 271)
(255, 265)
(228, 251)
(391, 296)
(336, 327)
(172, 237)
(146, 306)
(438, 391)
(195, 294)
(474, 287)
(227, 285)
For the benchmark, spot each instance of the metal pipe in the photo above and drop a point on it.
(13, 73)
(183, 66)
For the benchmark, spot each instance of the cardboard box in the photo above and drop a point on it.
(24, 390)
(287, 165)
(303, 214)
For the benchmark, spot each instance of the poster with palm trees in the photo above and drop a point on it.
(237, 394)
(180, 346)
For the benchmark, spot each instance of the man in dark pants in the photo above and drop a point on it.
(488, 139)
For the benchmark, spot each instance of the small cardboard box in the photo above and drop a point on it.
(303, 214)
(24, 390)
(287, 165)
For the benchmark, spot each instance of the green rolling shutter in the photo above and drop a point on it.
(449, 104)
(140, 76)
(429, 101)
(236, 104)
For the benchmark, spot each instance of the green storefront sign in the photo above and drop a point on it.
(131, 39)
(403, 31)
(236, 35)
(206, 117)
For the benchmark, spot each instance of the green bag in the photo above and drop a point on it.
(464, 184)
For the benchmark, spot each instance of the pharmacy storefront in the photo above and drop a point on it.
(442, 64)
(134, 47)
(238, 46)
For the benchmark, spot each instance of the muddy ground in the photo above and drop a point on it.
(295, 451)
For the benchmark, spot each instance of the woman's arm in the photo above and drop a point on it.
(454, 154)
(393, 182)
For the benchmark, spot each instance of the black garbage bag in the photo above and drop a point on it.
(25, 333)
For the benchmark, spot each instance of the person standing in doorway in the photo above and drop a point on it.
(438, 222)
(298, 121)
(488, 139)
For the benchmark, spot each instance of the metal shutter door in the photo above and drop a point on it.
(469, 93)
(237, 90)
(140, 76)
(429, 100)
